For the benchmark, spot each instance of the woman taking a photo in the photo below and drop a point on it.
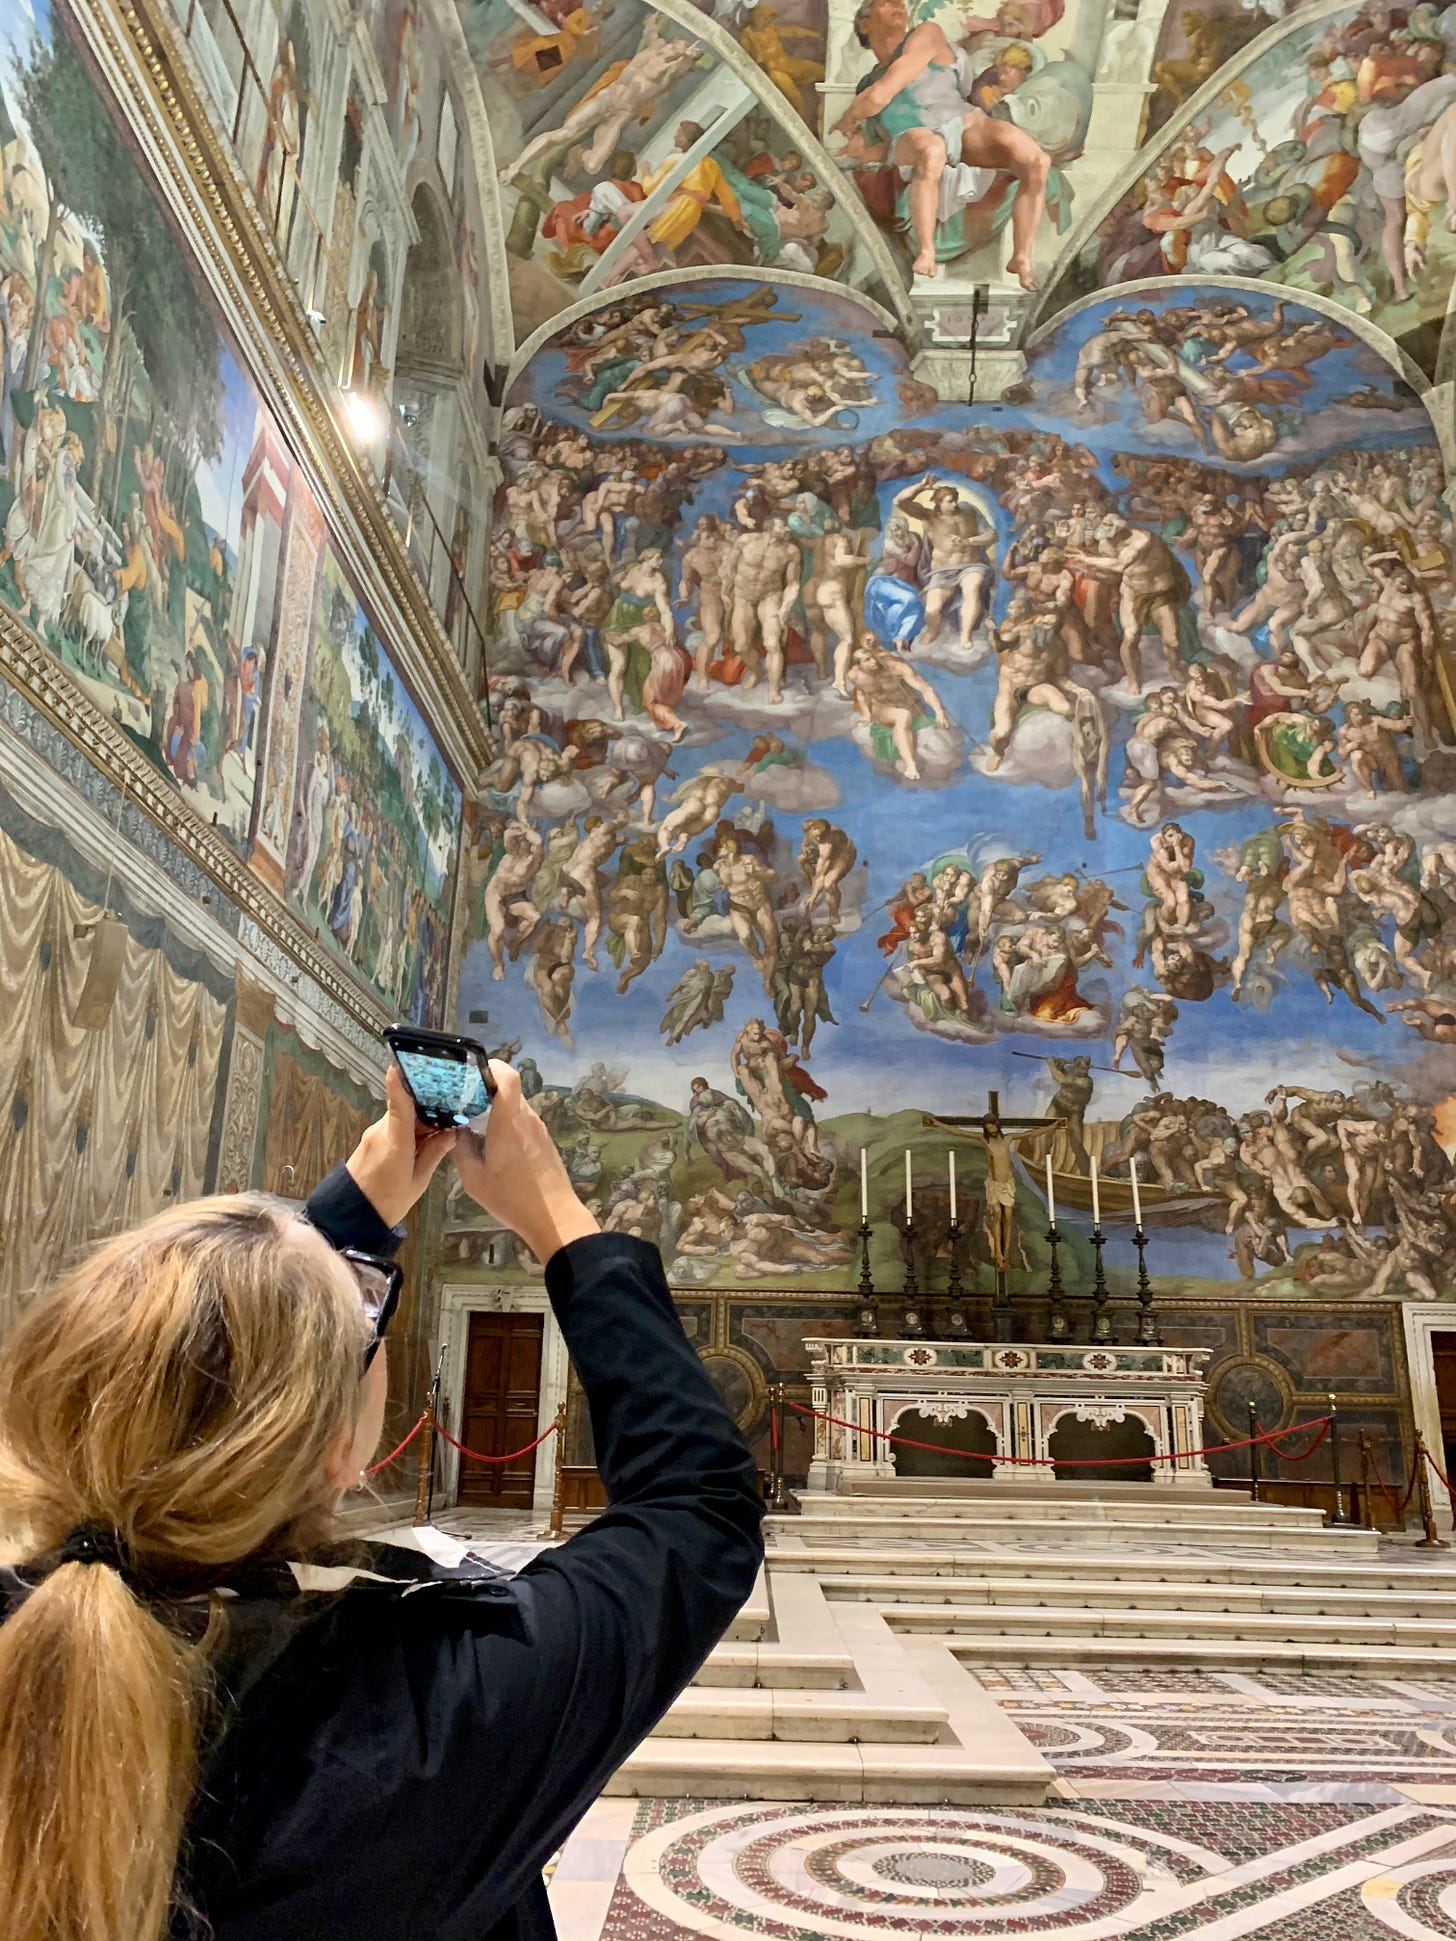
(193, 1744)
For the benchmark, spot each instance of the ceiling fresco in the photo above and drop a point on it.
(624, 146)
(1325, 162)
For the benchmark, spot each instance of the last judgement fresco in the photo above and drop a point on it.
(858, 753)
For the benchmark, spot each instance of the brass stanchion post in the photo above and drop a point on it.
(1428, 1539)
(1366, 1495)
(1253, 1453)
(557, 1526)
(1339, 1517)
(779, 1502)
(425, 1461)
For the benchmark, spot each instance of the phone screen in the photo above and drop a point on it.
(448, 1089)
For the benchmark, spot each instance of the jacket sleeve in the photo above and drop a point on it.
(476, 1727)
(346, 1218)
(617, 1620)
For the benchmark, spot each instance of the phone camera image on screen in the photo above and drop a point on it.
(450, 1089)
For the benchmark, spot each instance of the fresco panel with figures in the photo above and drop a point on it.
(1324, 162)
(150, 509)
(859, 753)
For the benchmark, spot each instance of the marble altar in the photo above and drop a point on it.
(1021, 1391)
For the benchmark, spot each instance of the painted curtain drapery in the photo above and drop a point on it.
(98, 1129)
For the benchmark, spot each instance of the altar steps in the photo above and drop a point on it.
(1373, 1575)
(990, 1526)
(1124, 1503)
(808, 1702)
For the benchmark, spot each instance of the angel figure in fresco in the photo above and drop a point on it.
(950, 153)
(696, 1001)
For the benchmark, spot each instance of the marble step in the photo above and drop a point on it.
(1437, 1637)
(1222, 1534)
(1364, 1573)
(1102, 1505)
(810, 1717)
(754, 1617)
(1294, 1600)
(775, 1665)
(1089, 1651)
(953, 1775)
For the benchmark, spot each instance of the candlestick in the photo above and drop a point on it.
(1137, 1203)
(1148, 1333)
(868, 1323)
(1101, 1329)
(909, 1191)
(864, 1185)
(952, 1190)
(1051, 1196)
(1096, 1200)
(954, 1286)
(911, 1325)
(1059, 1327)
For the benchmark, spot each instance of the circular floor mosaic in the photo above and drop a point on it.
(864, 1873)
(1418, 1901)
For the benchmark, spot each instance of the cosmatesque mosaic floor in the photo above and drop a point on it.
(1204, 1805)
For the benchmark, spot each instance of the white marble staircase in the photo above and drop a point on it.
(806, 1701)
(850, 1673)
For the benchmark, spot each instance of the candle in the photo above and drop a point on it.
(1051, 1197)
(952, 1187)
(864, 1187)
(909, 1203)
(1096, 1200)
(1137, 1205)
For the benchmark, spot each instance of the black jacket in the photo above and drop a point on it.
(397, 1760)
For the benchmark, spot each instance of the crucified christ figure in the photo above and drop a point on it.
(998, 1221)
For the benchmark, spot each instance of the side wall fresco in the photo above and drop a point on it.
(1095, 748)
(160, 539)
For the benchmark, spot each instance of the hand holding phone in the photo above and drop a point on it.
(447, 1076)
(396, 1157)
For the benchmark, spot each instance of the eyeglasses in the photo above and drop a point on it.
(379, 1282)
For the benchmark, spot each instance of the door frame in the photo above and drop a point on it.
(457, 1303)
(1420, 1323)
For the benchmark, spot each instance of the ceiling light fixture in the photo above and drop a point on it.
(366, 420)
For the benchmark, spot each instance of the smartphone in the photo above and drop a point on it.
(447, 1076)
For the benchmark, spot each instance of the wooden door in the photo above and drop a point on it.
(502, 1401)
(1443, 1355)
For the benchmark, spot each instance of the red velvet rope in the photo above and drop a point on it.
(1269, 1436)
(474, 1454)
(395, 1454)
(1446, 1480)
(1397, 1508)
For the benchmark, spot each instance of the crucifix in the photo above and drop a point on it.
(1001, 1135)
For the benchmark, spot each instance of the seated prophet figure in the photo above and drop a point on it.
(910, 111)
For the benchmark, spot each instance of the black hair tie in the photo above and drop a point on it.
(92, 1543)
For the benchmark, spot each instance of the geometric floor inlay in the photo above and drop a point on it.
(1140, 1870)
(1220, 1727)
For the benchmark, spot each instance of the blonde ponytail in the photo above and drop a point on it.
(181, 1393)
(98, 1747)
